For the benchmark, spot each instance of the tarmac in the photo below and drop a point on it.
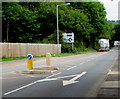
(110, 87)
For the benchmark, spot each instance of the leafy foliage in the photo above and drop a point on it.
(117, 32)
(35, 22)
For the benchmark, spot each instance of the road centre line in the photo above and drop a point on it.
(71, 67)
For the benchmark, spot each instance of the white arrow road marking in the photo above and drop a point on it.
(71, 81)
(65, 82)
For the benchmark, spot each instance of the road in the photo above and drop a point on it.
(78, 76)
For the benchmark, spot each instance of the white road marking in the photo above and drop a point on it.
(78, 76)
(81, 63)
(71, 81)
(28, 85)
(71, 67)
(49, 79)
(19, 88)
(109, 71)
(54, 75)
(66, 76)
(27, 75)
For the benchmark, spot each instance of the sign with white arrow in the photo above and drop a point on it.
(68, 37)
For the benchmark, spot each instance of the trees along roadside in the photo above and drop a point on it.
(36, 22)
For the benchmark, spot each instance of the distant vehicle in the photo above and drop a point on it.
(116, 43)
(104, 45)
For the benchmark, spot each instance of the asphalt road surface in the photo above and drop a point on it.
(78, 76)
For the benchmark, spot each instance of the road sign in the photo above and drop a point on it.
(30, 56)
(68, 37)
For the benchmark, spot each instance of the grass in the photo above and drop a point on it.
(3, 59)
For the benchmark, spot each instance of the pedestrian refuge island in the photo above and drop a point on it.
(32, 70)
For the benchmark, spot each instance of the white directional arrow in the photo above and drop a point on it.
(65, 82)
(71, 81)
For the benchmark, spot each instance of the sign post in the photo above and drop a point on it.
(30, 62)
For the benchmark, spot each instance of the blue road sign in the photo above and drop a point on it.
(30, 56)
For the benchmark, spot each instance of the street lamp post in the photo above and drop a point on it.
(58, 23)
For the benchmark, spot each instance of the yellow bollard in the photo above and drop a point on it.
(48, 59)
(29, 64)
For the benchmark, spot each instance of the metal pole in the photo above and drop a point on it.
(7, 29)
(57, 29)
(57, 25)
(72, 46)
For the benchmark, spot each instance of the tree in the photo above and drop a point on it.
(97, 18)
(19, 23)
(36, 22)
(117, 32)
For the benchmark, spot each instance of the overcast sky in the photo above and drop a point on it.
(111, 8)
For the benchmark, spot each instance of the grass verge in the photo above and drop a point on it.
(3, 59)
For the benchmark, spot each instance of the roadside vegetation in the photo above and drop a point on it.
(35, 22)
(3, 59)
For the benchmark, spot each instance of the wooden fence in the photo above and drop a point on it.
(23, 49)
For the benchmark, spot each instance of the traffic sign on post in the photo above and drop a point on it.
(30, 56)
(68, 37)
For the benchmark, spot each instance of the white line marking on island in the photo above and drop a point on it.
(71, 67)
(54, 75)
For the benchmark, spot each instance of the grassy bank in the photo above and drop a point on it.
(3, 59)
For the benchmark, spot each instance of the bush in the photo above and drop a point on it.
(67, 48)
